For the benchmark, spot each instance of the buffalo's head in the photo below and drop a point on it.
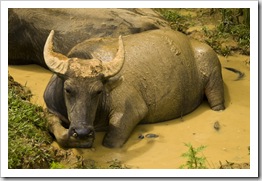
(83, 87)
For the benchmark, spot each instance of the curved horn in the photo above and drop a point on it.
(113, 67)
(56, 62)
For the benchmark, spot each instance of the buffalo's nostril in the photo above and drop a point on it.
(74, 134)
(91, 134)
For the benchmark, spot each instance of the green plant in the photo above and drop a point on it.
(206, 31)
(193, 160)
(56, 165)
(85, 163)
(28, 138)
(232, 33)
(92, 164)
(177, 22)
(239, 31)
(173, 16)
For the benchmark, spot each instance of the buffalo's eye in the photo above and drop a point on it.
(98, 92)
(68, 90)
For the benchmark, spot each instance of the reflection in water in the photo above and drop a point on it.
(229, 142)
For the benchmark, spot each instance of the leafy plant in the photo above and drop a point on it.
(193, 160)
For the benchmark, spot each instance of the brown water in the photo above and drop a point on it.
(229, 143)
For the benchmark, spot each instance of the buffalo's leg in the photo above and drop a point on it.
(123, 119)
(210, 72)
(215, 90)
(60, 133)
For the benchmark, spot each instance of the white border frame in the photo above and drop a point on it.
(252, 172)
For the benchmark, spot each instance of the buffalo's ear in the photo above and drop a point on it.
(113, 82)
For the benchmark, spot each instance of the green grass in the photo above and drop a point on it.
(176, 21)
(28, 138)
(56, 165)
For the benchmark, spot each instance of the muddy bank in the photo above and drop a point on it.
(229, 143)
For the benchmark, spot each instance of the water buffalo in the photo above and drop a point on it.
(29, 27)
(115, 84)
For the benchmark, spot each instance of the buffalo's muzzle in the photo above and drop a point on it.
(82, 133)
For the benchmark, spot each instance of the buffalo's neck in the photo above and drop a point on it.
(102, 114)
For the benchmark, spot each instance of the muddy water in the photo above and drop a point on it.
(33, 77)
(230, 142)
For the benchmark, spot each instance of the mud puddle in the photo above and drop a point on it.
(230, 142)
(34, 77)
